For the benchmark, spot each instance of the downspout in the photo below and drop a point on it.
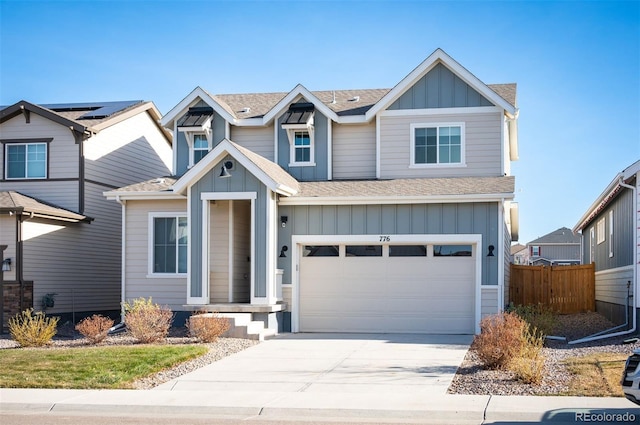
(599, 335)
(123, 235)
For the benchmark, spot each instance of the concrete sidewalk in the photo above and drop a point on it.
(380, 378)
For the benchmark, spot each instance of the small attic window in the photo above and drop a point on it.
(196, 126)
(298, 123)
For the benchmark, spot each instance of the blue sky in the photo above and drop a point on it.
(577, 65)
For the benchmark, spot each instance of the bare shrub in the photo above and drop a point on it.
(500, 339)
(147, 322)
(207, 327)
(32, 330)
(528, 365)
(539, 316)
(95, 328)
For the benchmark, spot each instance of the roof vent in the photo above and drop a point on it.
(354, 99)
(334, 98)
(159, 181)
(245, 110)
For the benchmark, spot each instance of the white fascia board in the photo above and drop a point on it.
(439, 56)
(299, 90)
(440, 111)
(386, 200)
(224, 148)
(197, 93)
(138, 196)
(352, 119)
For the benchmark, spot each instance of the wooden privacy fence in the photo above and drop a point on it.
(564, 289)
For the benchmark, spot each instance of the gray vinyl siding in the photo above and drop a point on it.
(465, 218)
(130, 152)
(170, 291)
(257, 139)
(560, 252)
(8, 237)
(87, 275)
(488, 301)
(623, 216)
(482, 145)
(218, 128)
(242, 181)
(310, 173)
(63, 154)
(611, 285)
(354, 151)
(440, 88)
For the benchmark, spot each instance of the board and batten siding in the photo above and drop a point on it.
(354, 151)
(482, 145)
(170, 291)
(436, 219)
(256, 139)
(241, 180)
(131, 151)
(63, 155)
(317, 172)
(218, 128)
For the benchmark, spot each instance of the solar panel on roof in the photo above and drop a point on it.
(108, 109)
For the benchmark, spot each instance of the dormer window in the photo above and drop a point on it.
(298, 123)
(196, 126)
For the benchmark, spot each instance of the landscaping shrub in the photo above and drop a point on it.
(540, 317)
(528, 365)
(32, 330)
(207, 327)
(95, 328)
(147, 322)
(500, 339)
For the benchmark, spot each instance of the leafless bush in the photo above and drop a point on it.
(500, 340)
(95, 328)
(32, 330)
(147, 322)
(207, 327)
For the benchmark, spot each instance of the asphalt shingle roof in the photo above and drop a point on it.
(16, 201)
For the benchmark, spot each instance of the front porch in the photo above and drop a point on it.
(249, 321)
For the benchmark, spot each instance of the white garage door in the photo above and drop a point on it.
(398, 288)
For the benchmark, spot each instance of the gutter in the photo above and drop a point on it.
(599, 335)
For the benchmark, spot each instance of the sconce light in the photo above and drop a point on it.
(491, 248)
(226, 166)
(283, 250)
(6, 265)
(283, 220)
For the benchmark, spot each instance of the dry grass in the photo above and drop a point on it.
(596, 375)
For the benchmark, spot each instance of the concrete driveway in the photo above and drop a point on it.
(323, 363)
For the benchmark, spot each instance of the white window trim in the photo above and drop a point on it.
(291, 130)
(190, 136)
(535, 248)
(412, 145)
(600, 230)
(150, 233)
(6, 161)
(611, 234)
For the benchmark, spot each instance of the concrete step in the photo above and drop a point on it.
(241, 326)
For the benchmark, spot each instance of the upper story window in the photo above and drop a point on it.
(200, 147)
(437, 144)
(26, 161)
(168, 243)
(298, 123)
(535, 251)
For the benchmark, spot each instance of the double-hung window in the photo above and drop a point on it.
(26, 161)
(301, 146)
(437, 144)
(168, 243)
(200, 147)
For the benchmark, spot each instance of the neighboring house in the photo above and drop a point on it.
(611, 240)
(385, 210)
(558, 248)
(519, 254)
(62, 235)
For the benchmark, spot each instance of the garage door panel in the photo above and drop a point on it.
(387, 294)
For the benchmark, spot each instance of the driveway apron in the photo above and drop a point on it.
(335, 363)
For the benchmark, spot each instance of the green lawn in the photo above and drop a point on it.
(89, 367)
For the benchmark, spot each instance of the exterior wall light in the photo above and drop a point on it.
(283, 250)
(491, 248)
(283, 220)
(6, 265)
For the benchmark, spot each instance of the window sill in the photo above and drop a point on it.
(167, 276)
(437, 166)
(302, 164)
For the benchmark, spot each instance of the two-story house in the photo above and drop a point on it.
(558, 248)
(610, 231)
(385, 210)
(61, 236)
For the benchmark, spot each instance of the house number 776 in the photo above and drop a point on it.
(385, 238)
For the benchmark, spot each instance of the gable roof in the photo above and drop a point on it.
(359, 105)
(268, 172)
(610, 192)
(16, 202)
(563, 235)
(88, 117)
